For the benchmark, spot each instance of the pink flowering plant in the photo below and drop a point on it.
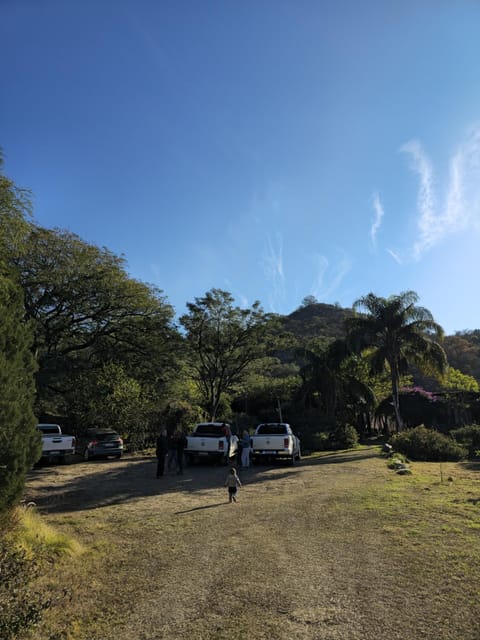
(420, 391)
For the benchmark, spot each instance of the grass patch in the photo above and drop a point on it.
(28, 549)
(36, 537)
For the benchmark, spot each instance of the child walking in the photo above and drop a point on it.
(232, 482)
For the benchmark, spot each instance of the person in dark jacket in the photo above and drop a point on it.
(161, 452)
(181, 444)
(172, 462)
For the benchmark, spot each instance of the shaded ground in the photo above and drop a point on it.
(312, 551)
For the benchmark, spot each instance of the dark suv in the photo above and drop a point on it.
(99, 443)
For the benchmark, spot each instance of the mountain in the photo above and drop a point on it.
(317, 320)
(463, 352)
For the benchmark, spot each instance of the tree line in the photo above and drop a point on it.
(84, 343)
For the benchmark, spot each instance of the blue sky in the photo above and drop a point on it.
(276, 149)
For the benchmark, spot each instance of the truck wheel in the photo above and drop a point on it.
(190, 460)
(293, 459)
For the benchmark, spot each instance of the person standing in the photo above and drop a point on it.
(246, 445)
(181, 444)
(172, 451)
(161, 452)
(232, 482)
(239, 452)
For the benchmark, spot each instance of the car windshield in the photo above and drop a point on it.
(103, 436)
(271, 429)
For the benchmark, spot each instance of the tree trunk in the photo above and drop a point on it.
(396, 399)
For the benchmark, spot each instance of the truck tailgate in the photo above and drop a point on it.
(57, 443)
(268, 443)
(202, 443)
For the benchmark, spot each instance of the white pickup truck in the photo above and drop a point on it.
(275, 440)
(55, 444)
(209, 440)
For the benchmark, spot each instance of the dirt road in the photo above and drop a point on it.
(305, 553)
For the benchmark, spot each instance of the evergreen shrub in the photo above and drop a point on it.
(468, 437)
(20, 442)
(340, 437)
(320, 441)
(345, 436)
(425, 444)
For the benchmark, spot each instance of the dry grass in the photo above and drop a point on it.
(35, 536)
(338, 548)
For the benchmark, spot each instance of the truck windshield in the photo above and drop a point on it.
(271, 429)
(49, 430)
(209, 430)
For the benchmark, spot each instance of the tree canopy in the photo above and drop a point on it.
(398, 333)
(224, 340)
(86, 311)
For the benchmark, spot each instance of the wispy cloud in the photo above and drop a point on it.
(379, 213)
(328, 277)
(273, 268)
(395, 256)
(430, 231)
(461, 208)
(463, 199)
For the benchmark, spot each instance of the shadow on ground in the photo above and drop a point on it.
(207, 506)
(340, 457)
(472, 465)
(102, 483)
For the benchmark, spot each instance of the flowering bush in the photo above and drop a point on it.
(428, 395)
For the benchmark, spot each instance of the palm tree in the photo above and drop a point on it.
(396, 333)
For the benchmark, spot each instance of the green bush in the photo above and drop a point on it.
(320, 441)
(344, 437)
(468, 437)
(340, 437)
(428, 445)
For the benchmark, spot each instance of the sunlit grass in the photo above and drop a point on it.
(37, 537)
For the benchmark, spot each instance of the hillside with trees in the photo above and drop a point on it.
(463, 352)
(315, 320)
